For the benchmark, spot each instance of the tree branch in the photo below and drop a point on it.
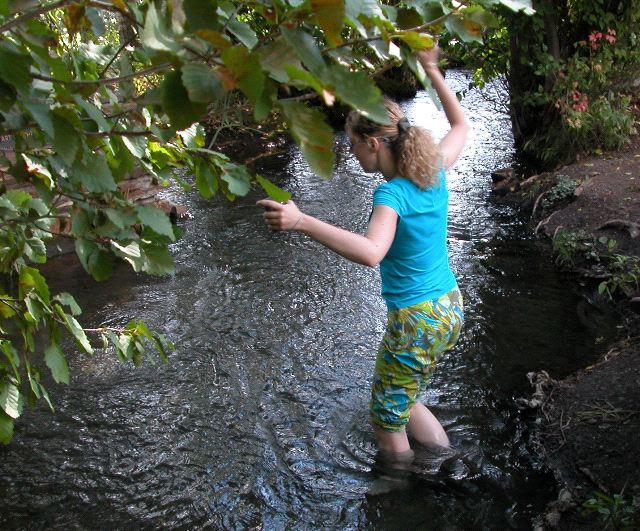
(104, 70)
(105, 81)
(35, 13)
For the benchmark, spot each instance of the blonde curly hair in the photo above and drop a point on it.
(416, 154)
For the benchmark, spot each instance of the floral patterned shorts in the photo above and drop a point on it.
(415, 337)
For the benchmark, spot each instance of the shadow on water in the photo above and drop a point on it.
(261, 417)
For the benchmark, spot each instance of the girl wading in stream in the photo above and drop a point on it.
(406, 235)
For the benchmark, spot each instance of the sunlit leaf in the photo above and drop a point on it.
(416, 41)
(274, 192)
(31, 279)
(155, 35)
(519, 5)
(10, 399)
(243, 32)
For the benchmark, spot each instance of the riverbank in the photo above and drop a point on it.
(589, 212)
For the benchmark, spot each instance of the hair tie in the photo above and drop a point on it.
(403, 125)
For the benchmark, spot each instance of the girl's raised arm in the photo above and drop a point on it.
(452, 143)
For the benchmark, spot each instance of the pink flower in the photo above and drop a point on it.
(610, 39)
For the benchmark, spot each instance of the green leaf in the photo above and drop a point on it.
(275, 56)
(17, 197)
(6, 428)
(467, 30)
(359, 91)
(12, 357)
(176, 103)
(95, 260)
(519, 5)
(97, 24)
(93, 112)
(312, 134)
(93, 174)
(43, 116)
(68, 300)
(14, 69)
(57, 363)
(157, 260)
(7, 96)
(243, 32)
(237, 178)
(415, 40)
(156, 220)
(359, 11)
(34, 167)
(155, 35)
(302, 78)
(201, 14)
(6, 310)
(330, 16)
(408, 18)
(75, 329)
(305, 47)
(120, 218)
(203, 84)
(10, 399)
(274, 192)
(31, 279)
(35, 250)
(137, 146)
(130, 253)
(206, 179)
(247, 72)
(65, 139)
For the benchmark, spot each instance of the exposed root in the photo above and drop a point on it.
(621, 224)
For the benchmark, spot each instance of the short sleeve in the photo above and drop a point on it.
(387, 195)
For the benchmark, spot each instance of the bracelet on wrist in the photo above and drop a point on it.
(298, 221)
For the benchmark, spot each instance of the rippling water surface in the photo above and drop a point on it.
(260, 420)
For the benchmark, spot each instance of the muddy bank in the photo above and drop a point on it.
(589, 423)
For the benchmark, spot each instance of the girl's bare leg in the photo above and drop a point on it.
(425, 428)
(392, 442)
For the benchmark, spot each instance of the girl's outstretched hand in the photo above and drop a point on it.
(281, 216)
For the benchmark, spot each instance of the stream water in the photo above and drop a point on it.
(260, 420)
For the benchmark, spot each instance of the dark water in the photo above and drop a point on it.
(260, 420)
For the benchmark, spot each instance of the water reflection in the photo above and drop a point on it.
(261, 418)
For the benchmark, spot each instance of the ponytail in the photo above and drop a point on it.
(416, 154)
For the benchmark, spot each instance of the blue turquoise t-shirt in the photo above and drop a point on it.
(416, 267)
